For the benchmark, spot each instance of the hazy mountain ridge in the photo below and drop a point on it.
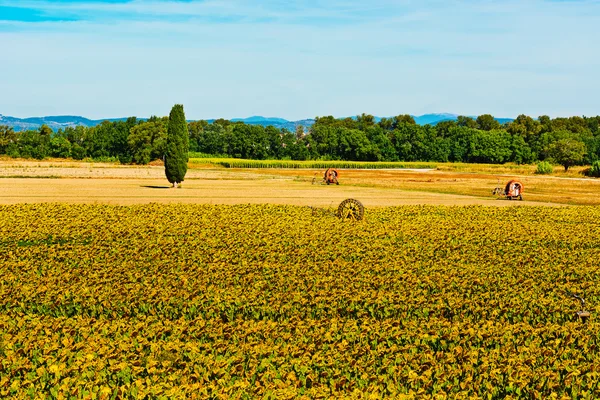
(54, 122)
(63, 121)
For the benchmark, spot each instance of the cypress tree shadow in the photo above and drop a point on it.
(155, 187)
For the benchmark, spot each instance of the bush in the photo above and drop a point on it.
(12, 150)
(103, 159)
(77, 152)
(125, 158)
(544, 168)
(594, 170)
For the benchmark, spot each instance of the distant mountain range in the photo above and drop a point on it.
(279, 123)
(63, 121)
(54, 122)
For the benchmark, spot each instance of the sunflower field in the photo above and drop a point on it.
(265, 301)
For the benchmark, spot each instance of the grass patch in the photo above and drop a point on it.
(497, 169)
(510, 169)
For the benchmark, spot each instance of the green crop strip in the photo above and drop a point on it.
(241, 163)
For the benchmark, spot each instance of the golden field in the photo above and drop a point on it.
(269, 301)
(116, 286)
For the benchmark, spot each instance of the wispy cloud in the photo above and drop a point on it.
(218, 11)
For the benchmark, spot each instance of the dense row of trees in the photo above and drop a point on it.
(567, 141)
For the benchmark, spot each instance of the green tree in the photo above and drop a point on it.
(487, 122)
(365, 121)
(8, 138)
(249, 141)
(196, 130)
(214, 139)
(323, 141)
(300, 149)
(274, 138)
(387, 124)
(577, 125)
(460, 139)
(118, 143)
(147, 140)
(326, 120)
(593, 124)
(443, 128)
(97, 140)
(467, 122)
(382, 146)
(566, 152)
(525, 126)
(521, 152)
(223, 122)
(347, 122)
(177, 148)
(403, 119)
(299, 132)
(353, 145)
(437, 147)
(60, 146)
(35, 143)
(409, 141)
(493, 147)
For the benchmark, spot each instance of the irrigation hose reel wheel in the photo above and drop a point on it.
(514, 190)
(351, 209)
(331, 176)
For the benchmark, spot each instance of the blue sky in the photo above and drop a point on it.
(299, 59)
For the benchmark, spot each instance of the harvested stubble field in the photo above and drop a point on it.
(80, 182)
(265, 301)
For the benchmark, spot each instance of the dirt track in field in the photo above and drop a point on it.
(275, 191)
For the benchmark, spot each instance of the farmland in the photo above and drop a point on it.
(212, 183)
(115, 286)
(196, 301)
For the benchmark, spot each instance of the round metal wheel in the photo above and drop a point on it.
(351, 209)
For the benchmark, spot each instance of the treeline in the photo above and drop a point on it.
(566, 141)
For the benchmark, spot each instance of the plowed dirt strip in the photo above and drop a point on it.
(211, 191)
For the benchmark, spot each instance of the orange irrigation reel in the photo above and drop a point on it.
(329, 178)
(512, 191)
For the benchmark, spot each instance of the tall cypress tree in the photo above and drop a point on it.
(176, 154)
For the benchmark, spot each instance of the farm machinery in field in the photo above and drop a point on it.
(349, 209)
(330, 177)
(512, 190)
